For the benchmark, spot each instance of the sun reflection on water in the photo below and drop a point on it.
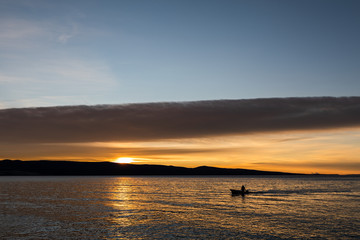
(120, 196)
(182, 207)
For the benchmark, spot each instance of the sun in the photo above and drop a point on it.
(124, 160)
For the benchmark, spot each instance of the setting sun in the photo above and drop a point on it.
(124, 160)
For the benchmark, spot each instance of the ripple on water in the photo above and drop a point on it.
(178, 207)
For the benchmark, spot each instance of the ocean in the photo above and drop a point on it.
(157, 207)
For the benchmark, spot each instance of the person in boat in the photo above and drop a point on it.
(243, 188)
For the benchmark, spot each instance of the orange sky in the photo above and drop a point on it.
(302, 135)
(265, 67)
(332, 151)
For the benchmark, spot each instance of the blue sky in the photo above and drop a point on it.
(113, 52)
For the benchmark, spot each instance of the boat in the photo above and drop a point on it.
(239, 192)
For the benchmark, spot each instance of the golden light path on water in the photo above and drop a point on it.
(159, 207)
(203, 207)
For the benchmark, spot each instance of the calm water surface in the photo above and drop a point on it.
(179, 207)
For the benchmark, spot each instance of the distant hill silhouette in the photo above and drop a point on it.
(58, 168)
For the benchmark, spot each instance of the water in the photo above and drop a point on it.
(179, 208)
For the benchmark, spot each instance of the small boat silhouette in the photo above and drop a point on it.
(239, 192)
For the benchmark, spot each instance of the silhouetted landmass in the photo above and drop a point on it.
(58, 168)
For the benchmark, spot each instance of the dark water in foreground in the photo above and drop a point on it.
(179, 207)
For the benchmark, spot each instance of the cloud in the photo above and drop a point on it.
(44, 82)
(155, 121)
(35, 64)
(67, 32)
(17, 33)
(63, 150)
(64, 38)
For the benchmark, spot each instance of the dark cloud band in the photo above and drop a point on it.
(152, 121)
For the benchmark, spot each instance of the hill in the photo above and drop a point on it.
(58, 168)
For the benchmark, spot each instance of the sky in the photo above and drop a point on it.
(112, 54)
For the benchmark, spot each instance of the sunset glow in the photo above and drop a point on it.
(158, 119)
(124, 160)
(298, 136)
(263, 85)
